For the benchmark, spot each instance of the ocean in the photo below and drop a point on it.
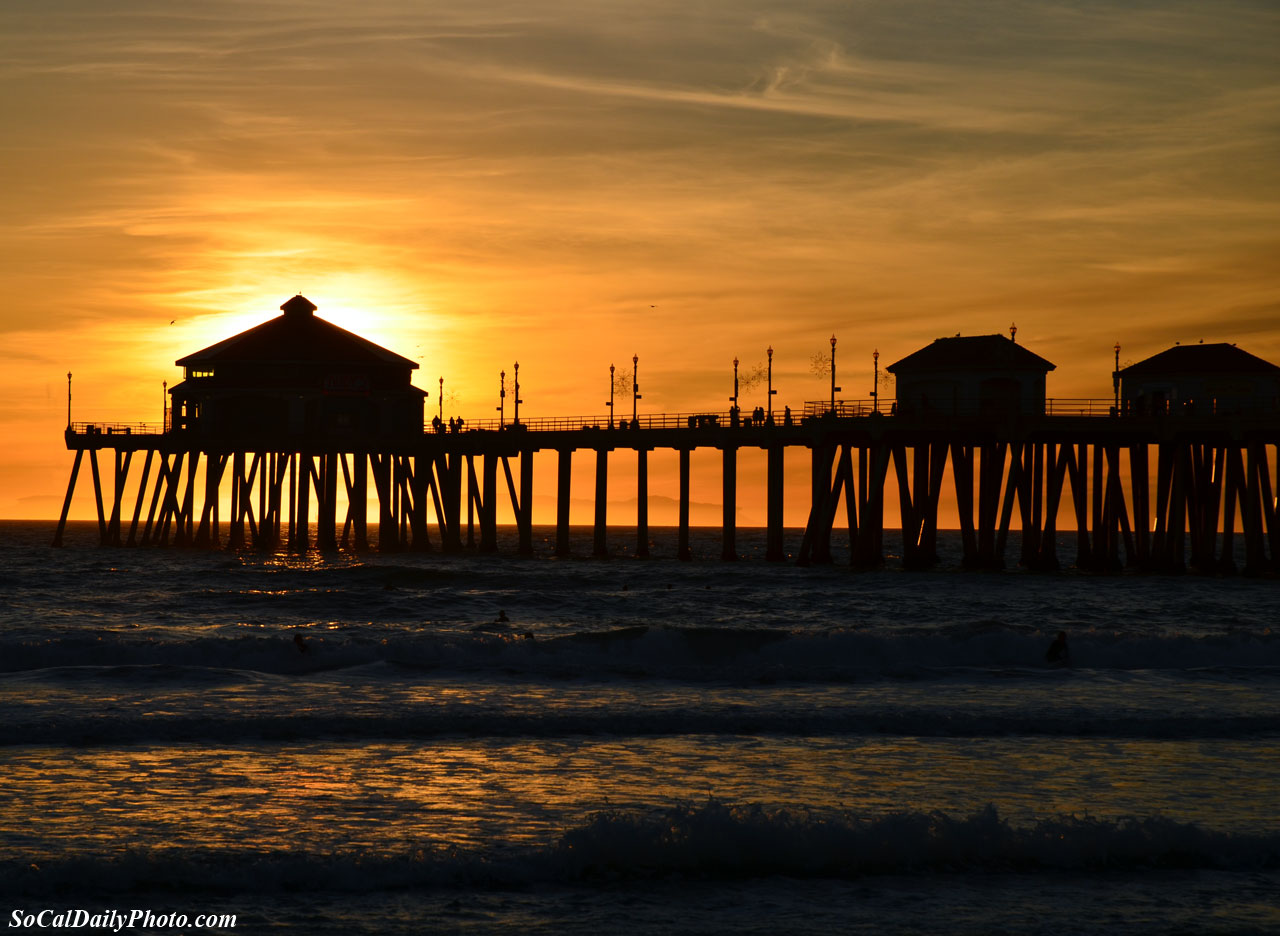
(421, 743)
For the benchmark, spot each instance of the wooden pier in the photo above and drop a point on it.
(1165, 492)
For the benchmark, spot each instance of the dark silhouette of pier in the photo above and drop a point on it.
(969, 413)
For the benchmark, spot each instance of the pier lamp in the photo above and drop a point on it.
(1115, 377)
(610, 403)
(516, 418)
(1013, 332)
(635, 385)
(68, 399)
(164, 406)
(875, 387)
(834, 388)
(441, 401)
(502, 396)
(734, 399)
(769, 352)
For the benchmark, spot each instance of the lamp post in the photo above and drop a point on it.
(834, 388)
(1013, 332)
(1115, 377)
(68, 399)
(733, 413)
(769, 352)
(635, 386)
(502, 396)
(442, 402)
(164, 406)
(610, 403)
(875, 387)
(516, 420)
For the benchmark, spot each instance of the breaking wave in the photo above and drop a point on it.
(709, 841)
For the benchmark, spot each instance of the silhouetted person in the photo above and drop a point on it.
(1058, 654)
(502, 617)
(301, 643)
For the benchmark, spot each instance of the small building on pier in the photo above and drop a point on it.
(981, 375)
(1205, 379)
(297, 380)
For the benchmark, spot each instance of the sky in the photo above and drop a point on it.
(568, 184)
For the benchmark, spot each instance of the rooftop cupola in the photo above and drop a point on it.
(299, 305)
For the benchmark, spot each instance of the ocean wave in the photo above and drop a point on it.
(693, 653)
(392, 723)
(707, 841)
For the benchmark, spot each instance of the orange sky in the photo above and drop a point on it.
(566, 184)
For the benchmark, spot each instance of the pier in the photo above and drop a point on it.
(296, 419)
(1215, 478)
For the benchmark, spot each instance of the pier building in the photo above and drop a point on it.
(1201, 378)
(987, 374)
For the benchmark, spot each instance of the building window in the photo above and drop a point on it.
(196, 373)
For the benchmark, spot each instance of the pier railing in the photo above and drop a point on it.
(810, 411)
(116, 428)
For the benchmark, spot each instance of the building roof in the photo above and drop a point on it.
(976, 353)
(297, 335)
(1221, 358)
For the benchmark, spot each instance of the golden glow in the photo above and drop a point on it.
(577, 184)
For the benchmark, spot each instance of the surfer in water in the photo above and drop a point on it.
(1058, 654)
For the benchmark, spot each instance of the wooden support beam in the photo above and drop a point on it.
(642, 502)
(729, 485)
(419, 471)
(141, 498)
(775, 551)
(439, 491)
(349, 520)
(473, 501)
(293, 499)
(1078, 468)
(600, 539)
(564, 476)
(682, 535)
(1056, 459)
(1268, 505)
(489, 505)
(380, 464)
(97, 497)
(1140, 485)
(449, 482)
(184, 534)
(821, 518)
(170, 506)
(524, 516)
(990, 482)
(1118, 511)
(1032, 525)
(1011, 487)
(845, 478)
(929, 530)
(306, 477)
(908, 520)
(962, 474)
(206, 533)
(818, 529)
(66, 501)
(1176, 530)
(872, 470)
(1251, 513)
(326, 535)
